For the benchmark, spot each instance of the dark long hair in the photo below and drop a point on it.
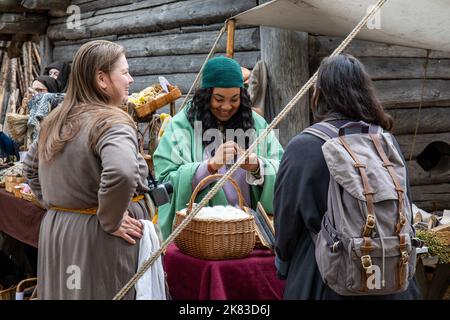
(200, 110)
(343, 86)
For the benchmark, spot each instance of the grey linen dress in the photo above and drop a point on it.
(78, 258)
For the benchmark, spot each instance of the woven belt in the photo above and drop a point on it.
(91, 211)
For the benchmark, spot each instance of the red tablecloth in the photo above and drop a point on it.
(251, 278)
(19, 218)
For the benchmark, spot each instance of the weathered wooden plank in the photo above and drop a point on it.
(101, 7)
(432, 197)
(45, 4)
(182, 80)
(182, 63)
(421, 142)
(418, 176)
(11, 23)
(173, 44)
(179, 30)
(321, 46)
(432, 120)
(407, 93)
(391, 68)
(153, 19)
(286, 56)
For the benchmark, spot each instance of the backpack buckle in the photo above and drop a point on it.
(405, 257)
(370, 224)
(335, 246)
(366, 262)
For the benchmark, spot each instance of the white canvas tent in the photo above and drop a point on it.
(413, 23)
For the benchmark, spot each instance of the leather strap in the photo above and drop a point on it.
(90, 211)
(366, 261)
(368, 192)
(400, 191)
(403, 263)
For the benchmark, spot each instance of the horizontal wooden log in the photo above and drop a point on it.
(173, 44)
(11, 23)
(182, 80)
(153, 19)
(432, 197)
(101, 7)
(182, 63)
(391, 68)
(418, 176)
(421, 142)
(321, 46)
(180, 30)
(431, 120)
(45, 4)
(408, 93)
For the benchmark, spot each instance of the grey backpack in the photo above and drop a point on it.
(365, 245)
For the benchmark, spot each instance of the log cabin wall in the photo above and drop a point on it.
(398, 74)
(161, 37)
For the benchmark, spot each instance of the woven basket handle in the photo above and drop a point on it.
(208, 180)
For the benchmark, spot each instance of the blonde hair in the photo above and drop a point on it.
(84, 97)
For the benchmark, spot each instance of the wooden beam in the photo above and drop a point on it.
(45, 52)
(408, 93)
(45, 4)
(421, 142)
(432, 120)
(172, 44)
(418, 176)
(182, 80)
(12, 23)
(432, 197)
(167, 16)
(322, 46)
(190, 63)
(286, 56)
(392, 68)
(231, 25)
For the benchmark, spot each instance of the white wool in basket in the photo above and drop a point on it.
(220, 213)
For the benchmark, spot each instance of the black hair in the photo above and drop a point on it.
(343, 86)
(200, 110)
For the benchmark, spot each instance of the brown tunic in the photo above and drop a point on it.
(78, 258)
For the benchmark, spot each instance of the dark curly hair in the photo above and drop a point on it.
(200, 110)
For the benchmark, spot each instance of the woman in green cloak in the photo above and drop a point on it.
(210, 134)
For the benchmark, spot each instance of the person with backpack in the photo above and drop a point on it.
(343, 221)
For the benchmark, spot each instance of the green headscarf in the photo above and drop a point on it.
(222, 72)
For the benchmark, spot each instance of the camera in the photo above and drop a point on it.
(159, 193)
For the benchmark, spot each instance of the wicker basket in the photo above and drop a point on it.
(153, 105)
(12, 181)
(26, 289)
(215, 239)
(8, 294)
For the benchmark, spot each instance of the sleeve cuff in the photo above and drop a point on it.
(282, 266)
(200, 174)
(254, 181)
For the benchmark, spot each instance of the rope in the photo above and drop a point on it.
(197, 78)
(420, 105)
(240, 160)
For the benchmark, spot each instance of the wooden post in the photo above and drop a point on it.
(286, 56)
(173, 111)
(231, 26)
(46, 52)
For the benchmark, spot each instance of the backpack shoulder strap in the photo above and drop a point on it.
(322, 130)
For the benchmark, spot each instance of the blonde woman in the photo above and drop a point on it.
(86, 169)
